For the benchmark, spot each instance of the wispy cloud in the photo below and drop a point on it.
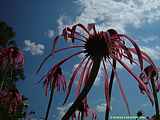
(102, 107)
(118, 13)
(63, 21)
(150, 39)
(33, 48)
(154, 53)
(63, 109)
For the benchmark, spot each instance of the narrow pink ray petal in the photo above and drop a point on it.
(81, 26)
(136, 47)
(138, 80)
(81, 78)
(106, 87)
(87, 73)
(72, 79)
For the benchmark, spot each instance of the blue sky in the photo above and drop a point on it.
(35, 22)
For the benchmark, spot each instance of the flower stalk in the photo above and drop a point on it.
(110, 87)
(49, 103)
(86, 89)
(97, 47)
(155, 97)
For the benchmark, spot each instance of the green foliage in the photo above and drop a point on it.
(18, 115)
(6, 33)
(10, 74)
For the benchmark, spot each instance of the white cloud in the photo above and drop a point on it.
(145, 105)
(102, 107)
(63, 21)
(154, 53)
(150, 39)
(34, 48)
(63, 109)
(60, 22)
(118, 13)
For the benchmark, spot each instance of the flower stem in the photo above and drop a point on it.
(155, 97)
(82, 115)
(49, 103)
(86, 89)
(110, 87)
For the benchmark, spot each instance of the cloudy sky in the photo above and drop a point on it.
(36, 22)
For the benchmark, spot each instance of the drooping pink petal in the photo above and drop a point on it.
(63, 82)
(75, 34)
(136, 48)
(46, 87)
(81, 26)
(128, 53)
(55, 41)
(87, 73)
(122, 93)
(66, 48)
(56, 51)
(138, 80)
(144, 56)
(42, 63)
(85, 90)
(106, 88)
(91, 26)
(81, 78)
(49, 74)
(67, 58)
(72, 80)
(121, 89)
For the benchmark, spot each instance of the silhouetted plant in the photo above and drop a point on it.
(99, 48)
(12, 103)
(55, 79)
(6, 33)
(11, 58)
(150, 77)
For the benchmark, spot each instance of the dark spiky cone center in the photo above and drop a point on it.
(96, 47)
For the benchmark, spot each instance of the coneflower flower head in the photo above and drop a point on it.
(99, 47)
(150, 73)
(11, 56)
(54, 78)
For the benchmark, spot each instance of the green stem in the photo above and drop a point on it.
(4, 75)
(82, 115)
(2, 83)
(49, 103)
(110, 87)
(155, 97)
(86, 89)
